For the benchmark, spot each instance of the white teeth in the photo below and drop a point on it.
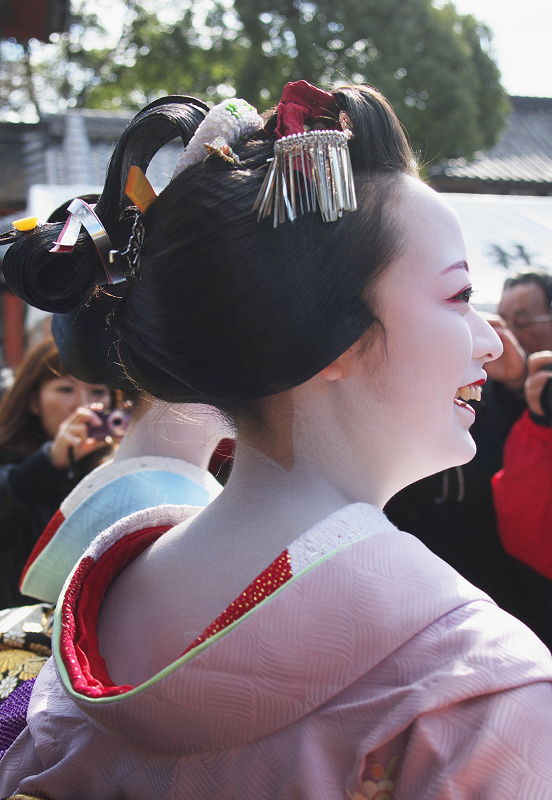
(471, 392)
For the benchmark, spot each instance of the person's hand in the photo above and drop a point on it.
(536, 379)
(72, 435)
(510, 368)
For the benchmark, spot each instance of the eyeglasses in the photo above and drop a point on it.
(521, 321)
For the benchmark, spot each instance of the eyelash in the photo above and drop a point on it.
(464, 295)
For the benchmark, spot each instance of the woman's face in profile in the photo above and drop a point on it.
(435, 342)
(59, 397)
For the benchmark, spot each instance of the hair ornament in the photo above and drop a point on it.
(83, 215)
(133, 251)
(25, 224)
(310, 168)
(18, 228)
(220, 147)
(142, 194)
(223, 126)
(138, 189)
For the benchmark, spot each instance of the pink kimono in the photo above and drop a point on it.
(372, 670)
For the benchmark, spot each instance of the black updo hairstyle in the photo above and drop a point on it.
(227, 310)
(86, 344)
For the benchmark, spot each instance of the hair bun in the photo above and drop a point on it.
(60, 282)
(88, 346)
(45, 280)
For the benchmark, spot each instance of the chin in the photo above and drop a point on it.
(463, 452)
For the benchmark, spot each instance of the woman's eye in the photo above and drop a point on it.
(99, 391)
(464, 296)
(65, 389)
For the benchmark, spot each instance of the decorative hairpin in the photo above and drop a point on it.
(18, 226)
(83, 215)
(220, 147)
(25, 224)
(138, 189)
(118, 265)
(133, 250)
(310, 169)
(219, 131)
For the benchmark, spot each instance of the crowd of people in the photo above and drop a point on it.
(294, 286)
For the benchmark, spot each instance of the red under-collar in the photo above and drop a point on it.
(82, 601)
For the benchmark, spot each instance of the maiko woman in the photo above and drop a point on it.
(287, 641)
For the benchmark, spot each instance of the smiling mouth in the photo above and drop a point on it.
(470, 392)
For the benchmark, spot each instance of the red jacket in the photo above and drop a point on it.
(523, 495)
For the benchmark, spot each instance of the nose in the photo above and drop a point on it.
(84, 395)
(81, 396)
(486, 342)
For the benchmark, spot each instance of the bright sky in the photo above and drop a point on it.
(522, 41)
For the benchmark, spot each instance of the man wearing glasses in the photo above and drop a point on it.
(525, 308)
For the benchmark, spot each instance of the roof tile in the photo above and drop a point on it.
(523, 153)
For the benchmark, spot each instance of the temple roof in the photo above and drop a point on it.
(520, 163)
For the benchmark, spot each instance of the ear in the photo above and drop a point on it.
(34, 403)
(343, 364)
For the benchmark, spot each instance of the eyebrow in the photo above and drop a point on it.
(458, 265)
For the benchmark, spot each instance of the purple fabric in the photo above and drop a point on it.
(13, 714)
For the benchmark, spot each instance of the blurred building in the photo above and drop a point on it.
(21, 20)
(33, 19)
(66, 150)
(520, 163)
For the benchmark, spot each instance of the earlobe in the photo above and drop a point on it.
(333, 372)
(342, 365)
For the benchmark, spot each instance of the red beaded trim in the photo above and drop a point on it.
(68, 626)
(274, 576)
(81, 603)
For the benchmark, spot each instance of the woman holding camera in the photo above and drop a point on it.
(45, 449)
(287, 641)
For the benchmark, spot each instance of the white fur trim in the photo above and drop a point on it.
(147, 518)
(346, 526)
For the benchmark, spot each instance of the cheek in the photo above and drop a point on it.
(49, 417)
(58, 408)
(534, 340)
(525, 341)
(427, 352)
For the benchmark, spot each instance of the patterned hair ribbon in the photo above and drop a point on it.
(83, 215)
